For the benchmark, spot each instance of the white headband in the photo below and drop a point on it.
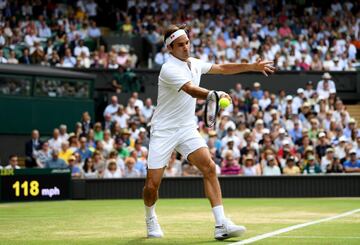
(173, 36)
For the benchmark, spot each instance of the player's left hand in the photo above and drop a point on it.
(265, 66)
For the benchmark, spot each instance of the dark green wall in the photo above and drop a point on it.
(21, 115)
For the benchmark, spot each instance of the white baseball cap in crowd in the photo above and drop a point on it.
(289, 97)
(286, 142)
(322, 134)
(326, 75)
(352, 151)
(300, 90)
(266, 131)
(256, 84)
(259, 121)
(282, 131)
(343, 139)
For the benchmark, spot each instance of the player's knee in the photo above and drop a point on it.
(210, 170)
(151, 187)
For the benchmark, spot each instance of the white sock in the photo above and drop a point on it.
(150, 211)
(219, 214)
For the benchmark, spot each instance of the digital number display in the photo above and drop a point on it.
(34, 185)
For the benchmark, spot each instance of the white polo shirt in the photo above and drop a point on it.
(175, 108)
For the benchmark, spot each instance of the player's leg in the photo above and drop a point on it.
(202, 160)
(150, 194)
(161, 146)
(152, 184)
(224, 227)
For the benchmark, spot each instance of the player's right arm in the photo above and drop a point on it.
(199, 92)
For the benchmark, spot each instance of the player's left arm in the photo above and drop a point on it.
(266, 67)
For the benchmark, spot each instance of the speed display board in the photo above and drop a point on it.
(34, 184)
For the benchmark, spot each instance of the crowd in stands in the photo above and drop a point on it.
(260, 133)
(296, 35)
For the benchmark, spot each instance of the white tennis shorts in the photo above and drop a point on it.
(163, 142)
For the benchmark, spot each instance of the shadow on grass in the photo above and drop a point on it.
(155, 241)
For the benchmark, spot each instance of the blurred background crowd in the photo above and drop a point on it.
(261, 133)
(297, 35)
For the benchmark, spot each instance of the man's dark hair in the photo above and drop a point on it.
(12, 155)
(173, 28)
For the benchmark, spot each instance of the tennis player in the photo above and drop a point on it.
(173, 127)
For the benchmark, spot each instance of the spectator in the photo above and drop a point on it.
(75, 170)
(161, 57)
(65, 152)
(335, 166)
(43, 155)
(112, 171)
(55, 161)
(353, 164)
(230, 165)
(55, 141)
(312, 167)
(271, 168)
(257, 93)
(130, 171)
(81, 48)
(89, 171)
(31, 148)
(291, 168)
(13, 162)
(325, 86)
(148, 109)
(173, 169)
(250, 167)
(327, 159)
(188, 169)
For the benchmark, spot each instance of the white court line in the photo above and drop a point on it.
(291, 228)
(321, 237)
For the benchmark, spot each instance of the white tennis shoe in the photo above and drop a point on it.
(153, 228)
(228, 229)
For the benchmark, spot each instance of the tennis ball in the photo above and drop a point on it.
(224, 102)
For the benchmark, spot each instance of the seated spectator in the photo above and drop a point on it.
(327, 159)
(312, 167)
(113, 107)
(81, 48)
(55, 161)
(257, 93)
(161, 57)
(231, 148)
(88, 171)
(188, 169)
(250, 167)
(75, 170)
(99, 162)
(272, 167)
(325, 86)
(84, 150)
(130, 171)
(55, 141)
(230, 165)
(65, 152)
(13, 162)
(98, 132)
(291, 168)
(173, 169)
(43, 155)
(353, 164)
(335, 166)
(112, 171)
(25, 58)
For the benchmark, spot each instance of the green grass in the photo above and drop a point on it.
(184, 221)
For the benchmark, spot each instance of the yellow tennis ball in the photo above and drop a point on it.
(224, 102)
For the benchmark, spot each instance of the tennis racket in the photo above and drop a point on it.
(211, 108)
